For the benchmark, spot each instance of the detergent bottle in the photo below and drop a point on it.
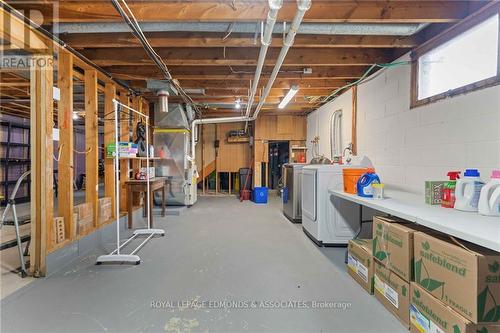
(468, 190)
(448, 199)
(489, 200)
(364, 185)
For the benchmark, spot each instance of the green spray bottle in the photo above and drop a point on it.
(448, 200)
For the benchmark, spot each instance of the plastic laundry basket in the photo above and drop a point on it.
(351, 177)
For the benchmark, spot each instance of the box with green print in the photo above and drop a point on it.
(462, 275)
(393, 244)
(392, 291)
(429, 315)
(360, 262)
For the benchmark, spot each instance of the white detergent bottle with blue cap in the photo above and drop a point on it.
(489, 201)
(468, 191)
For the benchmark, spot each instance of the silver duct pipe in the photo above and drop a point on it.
(374, 29)
(303, 6)
(335, 135)
(274, 6)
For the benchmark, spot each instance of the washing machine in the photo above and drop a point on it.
(328, 220)
(292, 191)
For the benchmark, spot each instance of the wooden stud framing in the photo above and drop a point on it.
(109, 137)
(91, 142)
(124, 164)
(42, 207)
(65, 122)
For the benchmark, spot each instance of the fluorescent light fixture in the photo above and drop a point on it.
(237, 104)
(288, 97)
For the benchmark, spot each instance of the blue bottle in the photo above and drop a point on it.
(364, 185)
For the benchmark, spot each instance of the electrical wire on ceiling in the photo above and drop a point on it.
(137, 32)
(362, 79)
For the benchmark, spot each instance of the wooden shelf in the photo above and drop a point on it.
(299, 148)
(238, 139)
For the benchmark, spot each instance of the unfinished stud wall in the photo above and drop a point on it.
(408, 146)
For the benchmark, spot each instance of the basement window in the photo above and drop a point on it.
(460, 60)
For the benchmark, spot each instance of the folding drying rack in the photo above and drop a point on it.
(116, 256)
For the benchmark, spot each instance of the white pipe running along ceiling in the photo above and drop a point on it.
(302, 7)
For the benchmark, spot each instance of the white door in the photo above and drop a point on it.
(309, 193)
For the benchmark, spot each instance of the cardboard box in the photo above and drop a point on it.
(105, 210)
(429, 315)
(393, 245)
(84, 225)
(85, 217)
(434, 192)
(392, 291)
(83, 210)
(360, 262)
(466, 276)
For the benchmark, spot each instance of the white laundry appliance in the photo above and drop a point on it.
(326, 219)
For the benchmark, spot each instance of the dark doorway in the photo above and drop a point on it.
(279, 152)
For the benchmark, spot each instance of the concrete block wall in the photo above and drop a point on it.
(408, 146)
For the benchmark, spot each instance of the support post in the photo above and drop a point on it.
(91, 142)
(124, 164)
(42, 192)
(65, 122)
(109, 137)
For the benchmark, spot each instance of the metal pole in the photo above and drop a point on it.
(117, 176)
(147, 172)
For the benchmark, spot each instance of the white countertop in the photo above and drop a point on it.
(470, 226)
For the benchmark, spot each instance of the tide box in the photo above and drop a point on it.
(393, 245)
(429, 315)
(392, 291)
(462, 275)
(360, 262)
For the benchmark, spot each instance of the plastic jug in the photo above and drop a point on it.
(364, 185)
(489, 200)
(468, 190)
(448, 199)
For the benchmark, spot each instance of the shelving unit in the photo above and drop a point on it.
(7, 161)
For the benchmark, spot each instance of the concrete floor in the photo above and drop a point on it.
(218, 250)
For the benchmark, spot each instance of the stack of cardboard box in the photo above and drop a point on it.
(392, 250)
(84, 218)
(456, 287)
(429, 281)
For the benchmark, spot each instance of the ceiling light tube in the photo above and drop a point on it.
(288, 97)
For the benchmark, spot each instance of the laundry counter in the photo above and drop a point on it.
(469, 226)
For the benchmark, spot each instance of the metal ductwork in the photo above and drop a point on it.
(383, 29)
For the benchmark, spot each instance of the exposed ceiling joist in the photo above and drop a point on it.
(256, 10)
(162, 39)
(239, 57)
